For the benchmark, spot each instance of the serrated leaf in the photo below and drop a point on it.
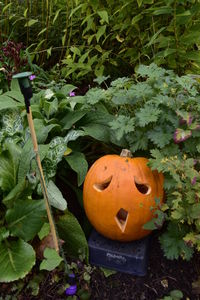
(147, 115)
(55, 196)
(51, 261)
(159, 137)
(26, 218)
(16, 260)
(79, 164)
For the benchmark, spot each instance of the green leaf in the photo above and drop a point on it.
(26, 218)
(122, 125)
(66, 89)
(44, 231)
(100, 32)
(56, 15)
(70, 231)
(31, 22)
(78, 163)
(16, 95)
(71, 118)
(55, 196)
(103, 15)
(42, 131)
(139, 2)
(176, 294)
(8, 103)
(15, 193)
(4, 234)
(16, 260)
(9, 162)
(107, 272)
(97, 131)
(51, 107)
(159, 137)
(51, 261)
(148, 114)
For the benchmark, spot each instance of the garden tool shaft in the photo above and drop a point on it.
(25, 86)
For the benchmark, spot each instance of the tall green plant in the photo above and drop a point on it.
(96, 37)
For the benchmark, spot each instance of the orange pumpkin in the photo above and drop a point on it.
(119, 196)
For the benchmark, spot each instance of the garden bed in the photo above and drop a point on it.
(163, 276)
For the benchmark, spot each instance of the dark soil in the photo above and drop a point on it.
(162, 277)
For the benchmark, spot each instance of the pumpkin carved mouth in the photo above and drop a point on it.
(122, 218)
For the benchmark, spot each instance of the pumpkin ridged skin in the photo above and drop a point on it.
(102, 202)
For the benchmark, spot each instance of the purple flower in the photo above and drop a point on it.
(32, 77)
(72, 94)
(194, 180)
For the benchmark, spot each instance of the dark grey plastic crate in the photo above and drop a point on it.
(126, 257)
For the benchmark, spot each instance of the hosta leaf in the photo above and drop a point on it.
(78, 163)
(16, 260)
(26, 218)
(55, 196)
(51, 261)
(70, 231)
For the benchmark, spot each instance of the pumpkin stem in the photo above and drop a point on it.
(126, 153)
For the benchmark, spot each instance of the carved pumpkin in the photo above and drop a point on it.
(119, 196)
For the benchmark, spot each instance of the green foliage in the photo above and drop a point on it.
(51, 260)
(95, 38)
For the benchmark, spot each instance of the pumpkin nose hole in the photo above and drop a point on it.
(143, 188)
(102, 185)
(121, 219)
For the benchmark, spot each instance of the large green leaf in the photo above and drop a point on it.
(27, 155)
(26, 218)
(97, 131)
(16, 259)
(7, 102)
(79, 164)
(16, 192)
(9, 161)
(55, 196)
(71, 232)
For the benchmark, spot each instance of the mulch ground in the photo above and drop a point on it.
(162, 277)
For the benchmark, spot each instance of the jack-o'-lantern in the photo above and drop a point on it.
(119, 196)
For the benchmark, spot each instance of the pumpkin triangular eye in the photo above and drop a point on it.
(121, 219)
(143, 188)
(101, 186)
